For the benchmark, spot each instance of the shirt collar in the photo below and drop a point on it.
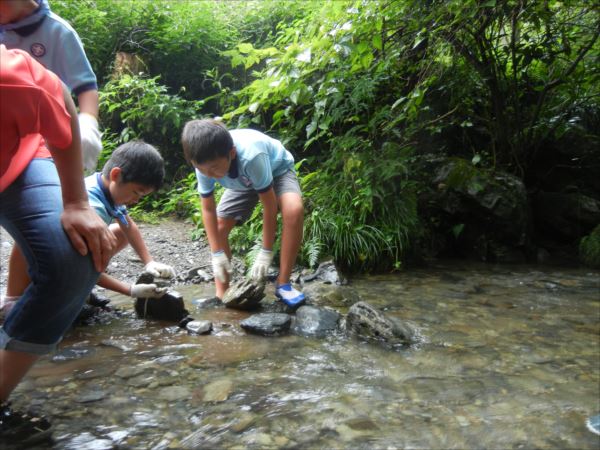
(118, 212)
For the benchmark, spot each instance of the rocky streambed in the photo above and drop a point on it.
(503, 356)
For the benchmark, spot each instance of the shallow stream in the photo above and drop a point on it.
(508, 357)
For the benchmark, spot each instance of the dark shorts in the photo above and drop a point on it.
(238, 205)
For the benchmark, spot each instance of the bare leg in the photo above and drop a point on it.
(292, 215)
(13, 367)
(224, 227)
(18, 278)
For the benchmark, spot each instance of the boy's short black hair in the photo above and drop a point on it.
(139, 162)
(205, 140)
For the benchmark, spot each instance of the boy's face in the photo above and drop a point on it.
(216, 168)
(125, 193)
(14, 10)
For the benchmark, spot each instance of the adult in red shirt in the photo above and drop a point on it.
(44, 207)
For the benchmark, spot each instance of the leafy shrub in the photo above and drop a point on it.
(589, 248)
(136, 107)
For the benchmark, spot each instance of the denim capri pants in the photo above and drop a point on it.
(239, 205)
(61, 279)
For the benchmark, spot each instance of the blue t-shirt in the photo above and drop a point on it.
(259, 159)
(55, 44)
(101, 200)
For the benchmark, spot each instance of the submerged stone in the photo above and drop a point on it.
(199, 327)
(366, 322)
(267, 324)
(206, 303)
(315, 321)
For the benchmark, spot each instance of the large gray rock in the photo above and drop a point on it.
(244, 295)
(315, 321)
(267, 324)
(565, 216)
(365, 322)
(479, 213)
(331, 295)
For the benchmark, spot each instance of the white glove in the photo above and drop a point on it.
(221, 265)
(159, 270)
(147, 291)
(91, 140)
(261, 265)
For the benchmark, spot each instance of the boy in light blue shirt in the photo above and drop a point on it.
(252, 167)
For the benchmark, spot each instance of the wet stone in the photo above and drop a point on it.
(69, 354)
(129, 372)
(207, 303)
(199, 327)
(174, 393)
(366, 322)
(91, 396)
(315, 321)
(218, 390)
(244, 295)
(168, 307)
(267, 324)
(120, 344)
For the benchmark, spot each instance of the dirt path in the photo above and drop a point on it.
(169, 242)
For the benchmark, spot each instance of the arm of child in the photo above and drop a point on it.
(209, 219)
(91, 138)
(134, 237)
(220, 259)
(108, 282)
(131, 290)
(84, 227)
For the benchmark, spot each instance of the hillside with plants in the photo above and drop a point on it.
(421, 128)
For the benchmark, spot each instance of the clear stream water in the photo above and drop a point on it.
(508, 357)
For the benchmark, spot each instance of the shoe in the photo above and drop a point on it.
(22, 430)
(288, 295)
(98, 300)
(593, 424)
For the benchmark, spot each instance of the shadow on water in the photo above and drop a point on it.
(509, 357)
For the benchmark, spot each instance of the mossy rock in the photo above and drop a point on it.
(589, 248)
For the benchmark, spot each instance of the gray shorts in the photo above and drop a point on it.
(239, 205)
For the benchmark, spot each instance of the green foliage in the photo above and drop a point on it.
(362, 211)
(139, 108)
(589, 248)
(464, 176)
(179, 40)
(356, 88)
(183, 199)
